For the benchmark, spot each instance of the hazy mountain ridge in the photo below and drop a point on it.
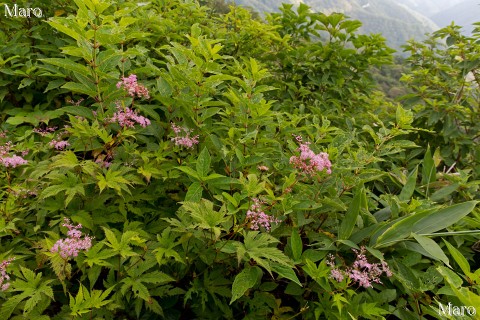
(429, 7)
(465, 14)
(397, 22)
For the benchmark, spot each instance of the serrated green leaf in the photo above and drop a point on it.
(286, 272)
(243, 281)
(203, 163)
(194, 193)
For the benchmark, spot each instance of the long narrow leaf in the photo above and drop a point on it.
(443, 218)
(348, 223)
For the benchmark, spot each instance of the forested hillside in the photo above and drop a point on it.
(173, 160)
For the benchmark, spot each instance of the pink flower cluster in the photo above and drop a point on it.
(23, 193)
(361, 272)
(103, 163)
(10, 161)
(257, 218)
(73, 244)
(59, 144)
(308, 162)
(184, 139)
(126, 117)
(132, 87)
(44, 131)
(4, 277)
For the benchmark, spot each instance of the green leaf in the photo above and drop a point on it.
(443, 218)
(320, 274)
(296, 245)
(424, 222)
(192, 173)
(51, 191)
(444, 192)
(459, 258)
(432, 248)
(203, 163)
(54, 84)
(428, 168)
(9, 306)
(452, 278)
(80, 88)
(66, 159)
(286, 272)
(404, 117)
(204, 214)
(257, 247)
(78, 111)
(115, 179)
(25, 83)
(65, 29)
(409, 187)
(350, 219)
(194, 193)
(244, 281)
(68, 65)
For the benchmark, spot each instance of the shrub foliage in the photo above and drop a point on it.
(162, 159)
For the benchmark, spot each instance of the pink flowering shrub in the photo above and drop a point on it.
(127, 118)
(44, 131)
(257, 218)
(182, 137)
(10, 161)
(59, 145)
(308, 162)
(132, 87)
(4, 277)
(362, 272)
(74, 243)
(186, 212)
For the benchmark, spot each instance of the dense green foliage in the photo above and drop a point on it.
(203, 185)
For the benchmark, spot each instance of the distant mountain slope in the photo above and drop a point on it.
(463, 14)
(396, 22)
(429, 7)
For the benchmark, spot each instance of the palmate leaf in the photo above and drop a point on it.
(9, 306)
(33, 287)
(167, 243)
(69, 184)
(204, 214)
(257, 247)
(117, 179)
(122, 246)
(96, 256)
(137, 284)
(85, 300)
